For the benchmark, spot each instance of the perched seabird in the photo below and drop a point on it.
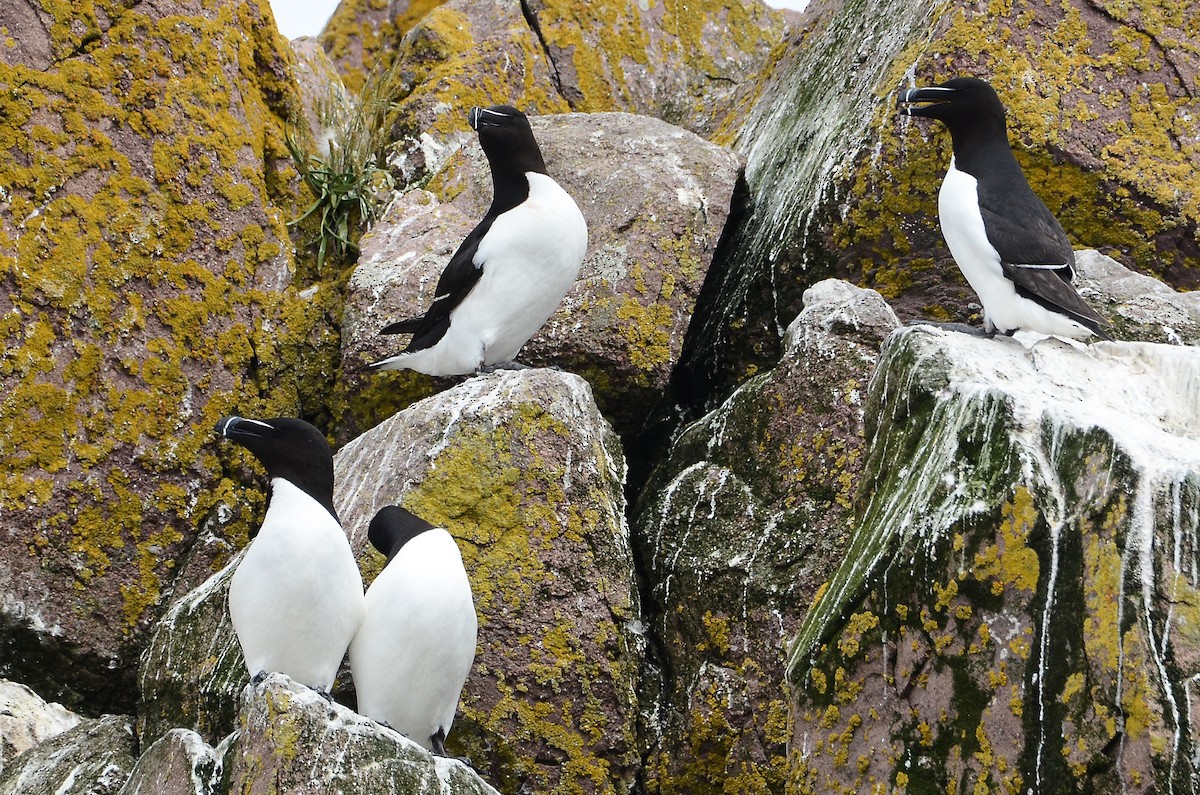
(416, 644)
(296, 599)
(1009, 246)
(513, 269)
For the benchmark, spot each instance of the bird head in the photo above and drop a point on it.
(287, 448)
(507, 139)
(961, 102)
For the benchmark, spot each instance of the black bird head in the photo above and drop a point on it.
(393, 527)
(507, 140)
(967, 105)
(287, 448)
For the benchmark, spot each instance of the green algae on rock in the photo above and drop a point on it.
(738, 528)
(524, 472)
(1008, 614)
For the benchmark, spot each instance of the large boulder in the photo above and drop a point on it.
(527, 475)
(142, 239)
(655, 197)
(1017, 609)
(737, 530)
(1101, 99)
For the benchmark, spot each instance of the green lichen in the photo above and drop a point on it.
(482, 489)
(124, 342)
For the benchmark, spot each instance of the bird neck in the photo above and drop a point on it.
(510, 186)
(983, 149)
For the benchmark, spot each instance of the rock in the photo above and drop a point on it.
(1017, 609)
(523, 470)
(192, 673)
(841, 185)
(360, 35)
(463, 53)
(1140, 307)
(93, 758)
(292, 740)
(26, 720)
(622, 325)
(178, 763)
(323, 96)
(689, 67)
(737, 530)
(142, 238)
(685, 65)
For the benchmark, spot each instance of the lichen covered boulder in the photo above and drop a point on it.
(1101, 105)
(142, 240)
(623, 323)
(738, 529)
(93, 758)
(521, 468)
(290, 739)
(1016, 610)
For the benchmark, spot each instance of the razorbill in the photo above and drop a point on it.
(296, 599)
(416, 644)
(513, 269)
(1011, 249)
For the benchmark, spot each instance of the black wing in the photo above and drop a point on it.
(1051, 287)
(1020, 226)
(456, 281)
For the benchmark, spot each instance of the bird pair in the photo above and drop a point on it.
(511, 272)
(296, 598)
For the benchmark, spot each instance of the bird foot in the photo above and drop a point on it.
(258, 678)
(513, 365)
(323, 693)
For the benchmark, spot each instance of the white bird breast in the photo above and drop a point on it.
(530, 258)
(296, 599)
(966, 237)
(416, 645)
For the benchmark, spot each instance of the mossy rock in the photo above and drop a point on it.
(1003, 618)
(737, 529)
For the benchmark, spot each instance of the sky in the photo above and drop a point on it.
(307, 17)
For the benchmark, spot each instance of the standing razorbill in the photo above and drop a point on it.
(1009, 246)
(296, 599)
(416, 644)
(513, 269)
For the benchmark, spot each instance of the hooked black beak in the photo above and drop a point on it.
(930, 97)
(486, 117)
(234, 427)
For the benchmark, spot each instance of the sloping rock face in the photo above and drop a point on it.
(686, 66)
(291, 740)
(1139, 307)
(140, 238)
(179, 763)
(93, 758)
(738, 529)
(623, 323)
(1017, 610)
(1102, 102)
(526, 474)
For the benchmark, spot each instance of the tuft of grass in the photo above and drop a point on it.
(346, 167)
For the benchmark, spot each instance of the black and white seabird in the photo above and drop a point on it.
(415, 647)
(1009, 246)
(296, 598)
(513, 269)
